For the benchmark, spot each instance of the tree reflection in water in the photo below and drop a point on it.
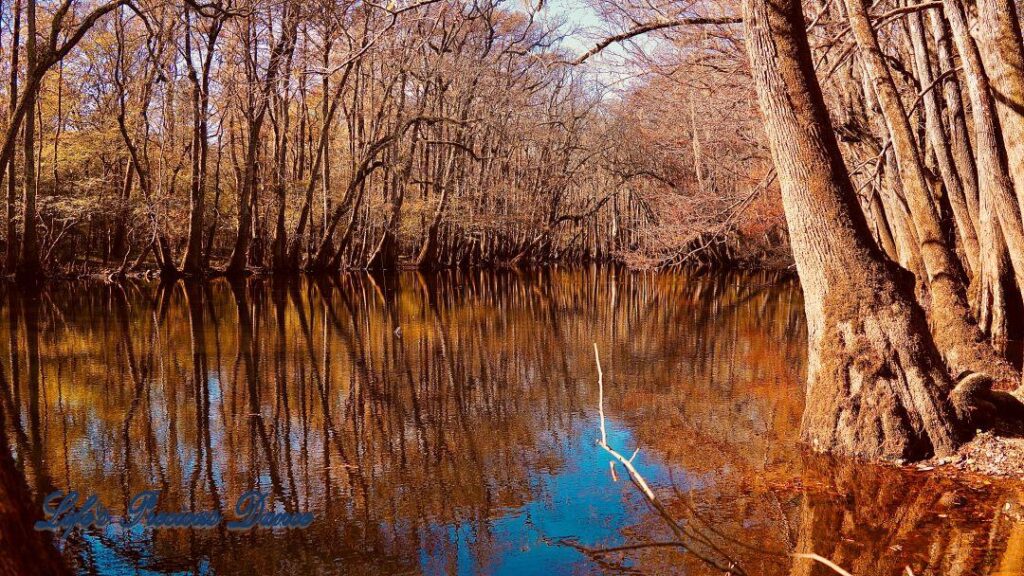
(446, 424)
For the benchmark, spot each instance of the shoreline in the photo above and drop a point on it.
(112, 275)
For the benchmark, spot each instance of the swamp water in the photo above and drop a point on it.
(446, 424)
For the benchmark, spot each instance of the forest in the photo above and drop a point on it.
(204, 138)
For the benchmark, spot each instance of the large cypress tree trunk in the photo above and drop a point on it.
(876, 384)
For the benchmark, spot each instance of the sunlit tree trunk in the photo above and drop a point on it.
(876, 383)
(955, 331)
(996, 29)
(28, 260)
(907, 245)
(991, 290)
(952, 99)
(882, 231)
(940, 144)
(994, 182)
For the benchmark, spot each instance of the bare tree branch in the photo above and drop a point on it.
(651, 27)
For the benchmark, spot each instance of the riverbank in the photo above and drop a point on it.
(771, 261)
(987, 454)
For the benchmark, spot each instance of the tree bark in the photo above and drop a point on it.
(959, 137)
(28, 260)
(940, 145)
(994, 182)
(11, 259)
(955, 332)
(997, 31)
(876, 383)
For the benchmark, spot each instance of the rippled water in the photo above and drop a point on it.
(446, 425)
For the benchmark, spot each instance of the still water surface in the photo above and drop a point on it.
(446, 425)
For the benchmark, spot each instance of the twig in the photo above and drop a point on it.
(603, 442)
(824, 561)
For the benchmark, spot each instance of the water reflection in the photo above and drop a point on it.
(445, 424)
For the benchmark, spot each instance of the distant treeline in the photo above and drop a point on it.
(239, 135)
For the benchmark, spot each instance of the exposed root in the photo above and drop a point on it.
(963, 345)
(982, 408)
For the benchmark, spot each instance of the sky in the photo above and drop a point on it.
(580, 17)
(585, 27)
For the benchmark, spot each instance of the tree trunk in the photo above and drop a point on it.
(11, 259)
(118, 245)
(907, 245)
(956, 335)
(994, 182)
(279, 245)
(882, 231)
(282, 49)
(997, 32)
(385, 254)
(876, 383)
(427, 256)
(193, 262)
(940, 144)
(992, 296)
(952, 97)
(28, 260)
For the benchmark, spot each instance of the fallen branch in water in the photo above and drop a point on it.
(603, 442)
(681, 532)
